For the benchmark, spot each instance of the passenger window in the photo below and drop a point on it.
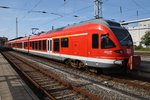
(25, 44)
(36, 45)
(40, 45)
(50, 45)
(56, 45)
(64, 42)
(95, 42)
(44, 44)
(19, 45)
(30, 44)
(106, 42)
(33, 45)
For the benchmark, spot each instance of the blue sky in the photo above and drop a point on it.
(25, 11)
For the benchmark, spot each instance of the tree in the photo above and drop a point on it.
(146, 38)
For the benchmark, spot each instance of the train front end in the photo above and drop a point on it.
(125, 50)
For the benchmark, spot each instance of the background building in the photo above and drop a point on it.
(137, 29)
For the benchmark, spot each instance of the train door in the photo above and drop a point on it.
(75, 47)
(50, 46)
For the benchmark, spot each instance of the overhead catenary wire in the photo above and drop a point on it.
(123, 10)
(66, 15)
(31, 9)
(140, 6)
(5, 7)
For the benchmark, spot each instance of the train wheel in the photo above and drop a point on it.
(77, 64)
(67, 62)
(81, 65)
(74, 63)
(99, 71)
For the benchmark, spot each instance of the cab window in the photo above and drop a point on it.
(106, 42)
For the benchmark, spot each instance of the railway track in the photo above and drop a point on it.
(48, 82)
(108, 84)
(128, 79)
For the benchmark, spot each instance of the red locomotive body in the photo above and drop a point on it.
(98, 43)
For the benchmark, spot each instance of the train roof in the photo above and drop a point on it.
(107, 23)
(15, 39)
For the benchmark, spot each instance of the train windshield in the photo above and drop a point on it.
(123, 36)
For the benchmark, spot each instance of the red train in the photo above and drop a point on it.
(98, 43)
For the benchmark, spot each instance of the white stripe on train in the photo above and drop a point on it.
(96, 60)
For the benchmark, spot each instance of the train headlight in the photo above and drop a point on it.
(119, 51)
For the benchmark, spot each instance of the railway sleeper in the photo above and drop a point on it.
(28, 70)
(64, 92)
(73, 97)
(38, 78)
(56, 89)
(65, 96)
(37, 75)
(42, 81)
(50, 85)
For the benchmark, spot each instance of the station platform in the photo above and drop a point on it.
(12, 87)
(141, 51)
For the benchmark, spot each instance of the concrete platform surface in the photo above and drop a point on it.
(145, 58)
(12, 87)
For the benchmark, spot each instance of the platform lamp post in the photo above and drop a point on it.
(16, 27)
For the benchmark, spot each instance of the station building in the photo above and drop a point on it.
(137, 29)
(2, 41)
